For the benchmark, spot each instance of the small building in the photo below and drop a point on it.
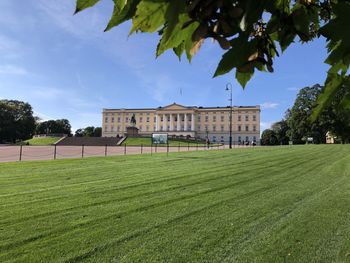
(330, 138)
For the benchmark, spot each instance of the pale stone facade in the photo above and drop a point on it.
(178, 120)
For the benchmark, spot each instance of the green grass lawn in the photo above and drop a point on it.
(282, 204)
(147, 141)
(42, 141)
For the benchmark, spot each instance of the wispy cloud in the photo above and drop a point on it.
(269, 105)
(12, 70)
(293, 89)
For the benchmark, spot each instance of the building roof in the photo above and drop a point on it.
(181, 106)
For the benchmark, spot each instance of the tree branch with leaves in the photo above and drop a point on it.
(250, 32)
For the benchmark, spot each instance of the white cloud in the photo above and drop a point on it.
(293, 89)
(86, 26)
(12, 70)
(269, 105)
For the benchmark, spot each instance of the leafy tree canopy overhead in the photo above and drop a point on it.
(251, 32)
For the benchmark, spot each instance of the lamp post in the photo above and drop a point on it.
(229, 88)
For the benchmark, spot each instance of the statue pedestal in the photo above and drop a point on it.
(132, 131)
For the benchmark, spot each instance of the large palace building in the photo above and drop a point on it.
(177, 120)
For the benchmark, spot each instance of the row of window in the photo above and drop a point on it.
(148, 113)
(127, 119)
(206, 128)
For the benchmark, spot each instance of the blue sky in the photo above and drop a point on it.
(65, 66)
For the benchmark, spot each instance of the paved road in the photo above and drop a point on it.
(30, 153)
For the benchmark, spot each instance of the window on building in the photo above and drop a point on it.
(161, 118)
(239, 118)
(214, 118)
(222, 118)
(106, 128)
(199, 118)
(161, 128)
(254, 117)
(239, 128)
(147, 128)
(254, 128)
(106, 119)
(247, 139)
(127, 119)
(147, 119)
(246, 117)
(112, 128)
(239, 139)
(246, 128)
(141, 113)
(182, 128)
(254, 138)
(140, 128)
(206, 127)
(140, 119)
(112, 119)
(222, 128)
(214, 138)
(199, 127)
(119, 113)
(168, 118)
(206, 118)
(222, 139)
(214, 128)
(112, 113)
(118, 128)
(168, 128)
(118, 119)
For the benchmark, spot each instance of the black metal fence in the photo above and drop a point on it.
(10, 153)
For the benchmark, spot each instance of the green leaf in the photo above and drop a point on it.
(237, 56)
(332, 85)
(243, 78)
(123, 14)
(150, 15)
(174, 36)
(83, 4)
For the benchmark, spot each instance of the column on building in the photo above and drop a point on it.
(178, 122)
(164, 122)
(192, 122)
(157, 122)
(186, 122)
(171, 122)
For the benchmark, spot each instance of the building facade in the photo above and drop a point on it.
(178, 120)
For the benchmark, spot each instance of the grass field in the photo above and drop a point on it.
(42, 141)
(147, 141)
(287, 204)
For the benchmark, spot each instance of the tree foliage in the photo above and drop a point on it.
(268, 137)
(249, 31)
(298, 126)
(16, 121)
(61, 126)
(89, 131)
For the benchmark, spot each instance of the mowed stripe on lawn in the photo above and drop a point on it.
(202, 206)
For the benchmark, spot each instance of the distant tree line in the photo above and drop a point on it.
(297, 126)
(89, 131)
(17, 123)
(61, 126)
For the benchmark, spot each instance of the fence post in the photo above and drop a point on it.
(155, 150)
(188, 146)
(124, 149)
(167, 149)
(54, 152)
(82, 151)
(105, 150)
(151, 148)
(141, 147)
(178, 149)
(197, 146)
(20, 153)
